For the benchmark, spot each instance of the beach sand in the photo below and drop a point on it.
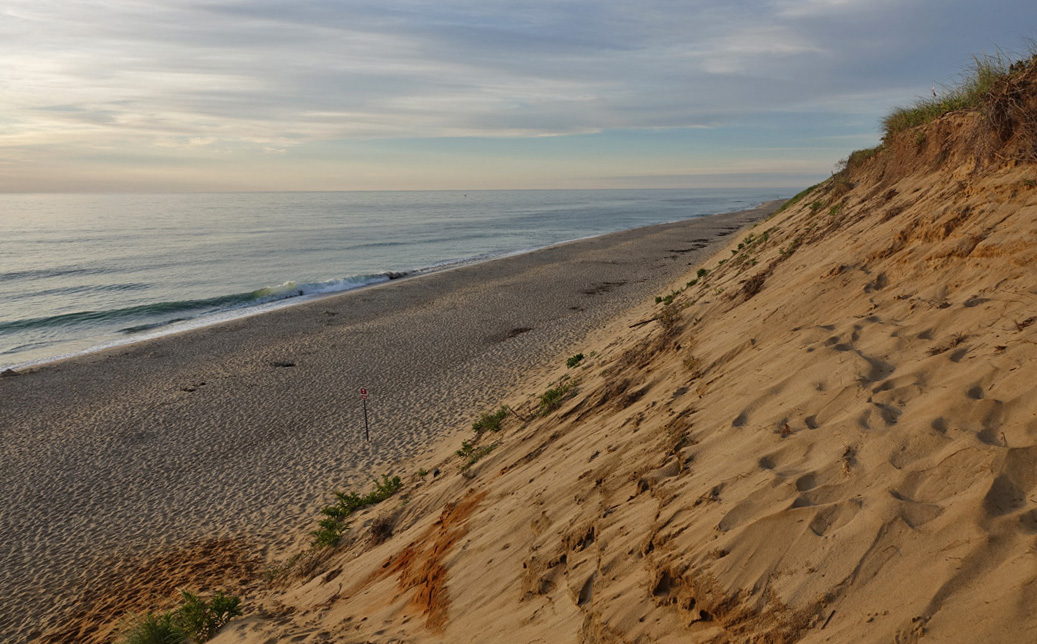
(225, 440)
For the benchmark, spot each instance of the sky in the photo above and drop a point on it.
(241, 95)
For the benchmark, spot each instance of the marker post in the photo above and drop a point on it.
(363, 397)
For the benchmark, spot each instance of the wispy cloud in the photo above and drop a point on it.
(274, 76)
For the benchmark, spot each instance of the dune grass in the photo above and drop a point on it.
(490, 421)
(196, 620)
(334, 523)
(985, 73)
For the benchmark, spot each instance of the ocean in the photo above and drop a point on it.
(80, 272)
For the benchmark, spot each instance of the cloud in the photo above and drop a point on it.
(270, 75)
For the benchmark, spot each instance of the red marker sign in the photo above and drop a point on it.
(363, 393)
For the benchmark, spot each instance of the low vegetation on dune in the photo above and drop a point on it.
(490, 421)
(196, 620)
(987, 73)
(995, 86)
(336, 516)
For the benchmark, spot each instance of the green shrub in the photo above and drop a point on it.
(473, 454)
(702, 272)
(467, 449)
(384, 490)
(490, 422)
(329, 533)
(196, 620)
(668, 299)
(334, 525)
(200, 619)
(154, 629)
(574, 360)
(552, 399)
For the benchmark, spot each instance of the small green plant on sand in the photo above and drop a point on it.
(201, 619)
(196, 620)
(473, 454)
(334, 523)
(574, 360)
(152, 628)
(786, 251)
(422, 472)
(329, 533)
(702, 272)
(467, 449)
(552, 399)
(490, 421)
(668, 299)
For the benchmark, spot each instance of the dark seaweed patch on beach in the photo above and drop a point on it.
(681, 251)
(602, 287)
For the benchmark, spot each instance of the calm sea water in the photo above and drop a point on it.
(80, 272)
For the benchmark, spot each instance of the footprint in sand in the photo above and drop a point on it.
(1012, 487)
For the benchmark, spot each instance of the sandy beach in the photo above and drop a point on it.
(238, 431)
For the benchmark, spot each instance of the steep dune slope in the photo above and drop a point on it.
(831, 436)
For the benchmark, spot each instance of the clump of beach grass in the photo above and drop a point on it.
(334, 523)
(472, 454)
(152, 628)
(197, 619)
(667, 300)
(552, 399)
(986, 72)
(490, 421)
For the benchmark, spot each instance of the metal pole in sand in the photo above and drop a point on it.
(363, 397)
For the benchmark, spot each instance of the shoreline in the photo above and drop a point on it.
(243, 428)
(178, 327)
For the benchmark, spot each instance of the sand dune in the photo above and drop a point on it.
(829, 437)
